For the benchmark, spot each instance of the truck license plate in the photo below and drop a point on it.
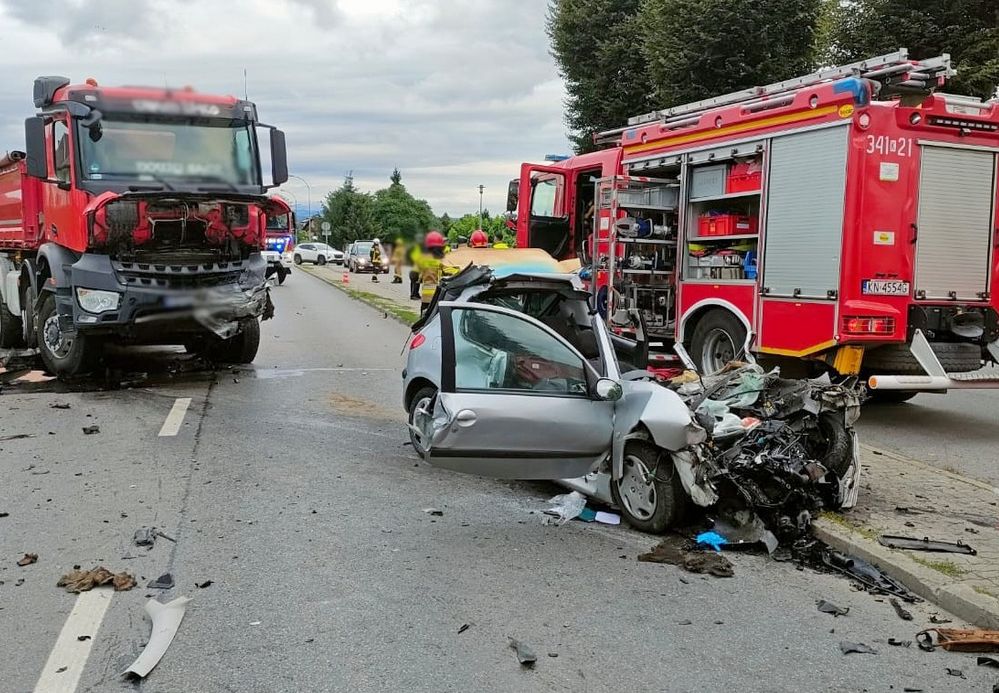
(885, 287)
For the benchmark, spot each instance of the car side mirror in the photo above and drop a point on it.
(608, 390)
(34, 137)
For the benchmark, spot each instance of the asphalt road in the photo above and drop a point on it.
(289, 487)
(958, 431)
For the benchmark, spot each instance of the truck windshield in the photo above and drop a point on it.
(170, 150)
(278, 223)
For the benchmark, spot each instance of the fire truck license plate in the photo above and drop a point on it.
(885, 287)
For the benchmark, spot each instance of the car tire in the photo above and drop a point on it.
(11, 331)
(321, 260)
(60, 359)
(425, 395)
(890, 396)
(718, 338)
(242, 348)
(649, 495)
(897, 359)
(298, 259)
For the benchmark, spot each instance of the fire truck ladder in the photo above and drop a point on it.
(894, 73)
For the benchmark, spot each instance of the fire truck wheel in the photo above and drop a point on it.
(11, 334)
(649, 493)
(239, 349)
(718, 338)
(890, 396)
(62, 354)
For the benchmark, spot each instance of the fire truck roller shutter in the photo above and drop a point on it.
(954, 227)
(804, 228)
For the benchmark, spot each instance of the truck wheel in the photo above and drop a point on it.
(717, 339)
(422, 401)
(11, 331)
(298, 259)
(61, 354)
(896, 359)
(239, 349)
(649, 494)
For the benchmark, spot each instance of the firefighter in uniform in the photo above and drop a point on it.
(398, 259)
(498, 241)
(478, 239)
(431, 267)
(376, 259)
(415, 251)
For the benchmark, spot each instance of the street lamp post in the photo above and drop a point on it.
(481, 188)
(308, 189)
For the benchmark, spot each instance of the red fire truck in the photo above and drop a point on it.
(843, 220)
(135, 215)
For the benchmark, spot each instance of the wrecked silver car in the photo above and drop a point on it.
(513, 375)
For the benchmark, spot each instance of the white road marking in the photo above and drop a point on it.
(176, 417)
(69, 655)
(299, 372)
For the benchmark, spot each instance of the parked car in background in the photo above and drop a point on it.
(317, 253)
(359, 258)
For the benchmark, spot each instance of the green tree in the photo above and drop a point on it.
(967, 29)
(445, 223)
(596, 44)
(696, 49)
(350, 214)
(398, 213)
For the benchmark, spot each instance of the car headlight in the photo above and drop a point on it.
(361, 261)
(96, 301)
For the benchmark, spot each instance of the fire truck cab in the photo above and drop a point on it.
(844, 220)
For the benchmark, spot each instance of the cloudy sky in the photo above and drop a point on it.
(453, 92)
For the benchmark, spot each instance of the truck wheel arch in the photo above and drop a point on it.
(697, 311)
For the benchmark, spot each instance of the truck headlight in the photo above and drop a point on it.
(95, 301)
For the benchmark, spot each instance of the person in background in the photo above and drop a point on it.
(478, 239)
(498, 241)
(376, 259)
(398, 259)
(431, 266)
(415, 251)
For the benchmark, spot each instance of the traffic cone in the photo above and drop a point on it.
(346, 278)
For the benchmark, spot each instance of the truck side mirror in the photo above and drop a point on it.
(512, 195)
(279, 157)
(34, 139)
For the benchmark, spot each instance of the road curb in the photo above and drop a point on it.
(959, 598)
(339, 287)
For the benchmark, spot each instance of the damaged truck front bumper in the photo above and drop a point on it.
(157, 303)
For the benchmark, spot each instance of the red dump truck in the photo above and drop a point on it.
(135, 215)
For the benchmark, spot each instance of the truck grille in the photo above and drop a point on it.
(178, 276)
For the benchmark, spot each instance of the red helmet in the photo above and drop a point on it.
(478, 239)
(435, 239)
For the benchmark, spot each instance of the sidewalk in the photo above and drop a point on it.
(909, 498)
(898, 496)
(382, 295)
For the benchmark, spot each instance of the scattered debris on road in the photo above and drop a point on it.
(902, 612)
(91, 430)
(433, 511)
(856, 647)
(163, 582)
(959, 639)
(166, 620)
(673, 550)
(17, 436)
(893, 541)
(899, 643)
(203, 585)
(59, 405)
(83, 638)
(955, 672)
(463, 627)
(564, 507)
(939, 621)
(988, 662)
(525, 655)
(78, 581)
(869, 576)
(830, 608)
(144, 536)
(27, 559)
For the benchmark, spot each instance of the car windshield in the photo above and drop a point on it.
(169, 149)
(363, 248)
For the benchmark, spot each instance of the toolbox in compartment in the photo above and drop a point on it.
(744, 176)
(726, 225)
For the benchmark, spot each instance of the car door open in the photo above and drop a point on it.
(517, 401)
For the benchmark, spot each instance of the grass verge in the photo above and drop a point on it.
(948, 568)
(386, 305)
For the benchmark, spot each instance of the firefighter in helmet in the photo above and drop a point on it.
(431, 267)
(398, 259)
(376, 259)
(478, 239)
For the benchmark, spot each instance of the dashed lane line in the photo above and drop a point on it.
(69, 654)
(176, 417)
